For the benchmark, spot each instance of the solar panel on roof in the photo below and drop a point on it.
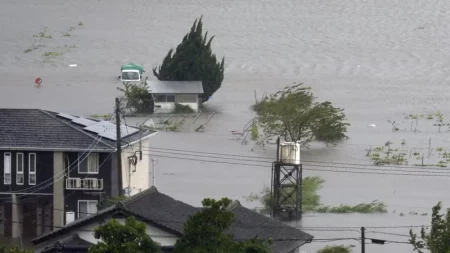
(109, 134)
(83, 121)
(66, 116)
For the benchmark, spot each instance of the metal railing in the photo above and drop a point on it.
(84, 184)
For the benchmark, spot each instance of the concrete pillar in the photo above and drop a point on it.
(2, 219)
(39, 220)
(58, 190)
(15, 220)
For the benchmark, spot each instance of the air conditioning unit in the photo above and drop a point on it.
(77, 182)
(94, 183)
(70, 216)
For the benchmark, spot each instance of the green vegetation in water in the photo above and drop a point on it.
(386, 155)
(66, 34)
(52, 54)
(254, 131)
(43, 35)
(336, 249)
(99, 116)
(311, 200)
(179, 108)
(32, 48)
(374, 207)
(80, 24)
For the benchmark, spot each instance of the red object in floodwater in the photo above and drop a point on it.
(38, 82)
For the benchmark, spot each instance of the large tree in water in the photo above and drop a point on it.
(193, 60)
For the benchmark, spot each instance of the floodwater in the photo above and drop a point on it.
(377, 59)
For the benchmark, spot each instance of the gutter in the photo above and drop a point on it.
(56, 149)
(142, 139)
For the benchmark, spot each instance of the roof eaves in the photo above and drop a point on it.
(74, 224)
(79, 130)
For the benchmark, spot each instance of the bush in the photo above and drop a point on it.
(179, 108)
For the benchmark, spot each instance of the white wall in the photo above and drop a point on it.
(167, 107)
(140, 178)
(86, 233)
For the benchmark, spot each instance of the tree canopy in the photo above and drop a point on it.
(193, 60)
(437, 239)
(136, 98)
(336, 249)
(204, 232)
(294, 115)
(118, 238)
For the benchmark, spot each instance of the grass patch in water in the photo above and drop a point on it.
(43, 35)
(52, 54)
(311, 200)
(374, 207)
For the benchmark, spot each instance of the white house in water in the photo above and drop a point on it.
(168, 93)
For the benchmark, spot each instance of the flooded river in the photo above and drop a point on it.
(377, 59)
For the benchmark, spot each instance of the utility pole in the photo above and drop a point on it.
(363, 240)
(153, 170)
(119, 147)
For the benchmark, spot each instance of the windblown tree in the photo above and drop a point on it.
(437, 239)
(204, 232)
(120, 238)
(193, 60)
(294, 115)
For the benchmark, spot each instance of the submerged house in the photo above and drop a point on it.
(165, 218)
(168, 93)
(56, 167)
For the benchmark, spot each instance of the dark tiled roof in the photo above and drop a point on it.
(170, 214)
(34, 129)
(72, 241)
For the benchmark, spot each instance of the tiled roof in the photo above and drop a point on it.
(34, 129)
(166, 212)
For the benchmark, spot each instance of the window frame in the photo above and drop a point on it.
(10, 168)
(17, 168)
(29, 169)
(87, 201)
(87, 164)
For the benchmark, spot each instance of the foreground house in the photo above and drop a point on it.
(57, 167)
(168, 93)
(165, 218)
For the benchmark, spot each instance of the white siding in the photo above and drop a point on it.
(168, 107)
(139, 178)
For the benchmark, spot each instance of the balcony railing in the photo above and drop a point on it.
(84, 184)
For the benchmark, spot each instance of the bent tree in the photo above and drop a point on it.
(193, 60)
(294, 115)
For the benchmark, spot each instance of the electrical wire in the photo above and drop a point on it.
(329, 168)
(171, 151)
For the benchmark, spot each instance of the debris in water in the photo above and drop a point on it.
(372, 125)
(72, 65)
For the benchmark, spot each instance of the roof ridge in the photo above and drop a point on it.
(70, 125)
(138, 196)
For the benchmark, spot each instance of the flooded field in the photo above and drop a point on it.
(380, 60)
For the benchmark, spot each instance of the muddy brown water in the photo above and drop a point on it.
(376, 59)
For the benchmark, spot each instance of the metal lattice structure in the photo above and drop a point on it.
(286, 191)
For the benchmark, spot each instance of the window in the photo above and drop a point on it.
(187, 98)
(19, 169)
(170, 98)
(165, 98)
(87, 207)
(32, 168)
(89, 165)
(7, 168)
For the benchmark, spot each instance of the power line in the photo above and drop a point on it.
(167, 150)
(333, 168)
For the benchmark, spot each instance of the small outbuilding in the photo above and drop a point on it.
(167, 94)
